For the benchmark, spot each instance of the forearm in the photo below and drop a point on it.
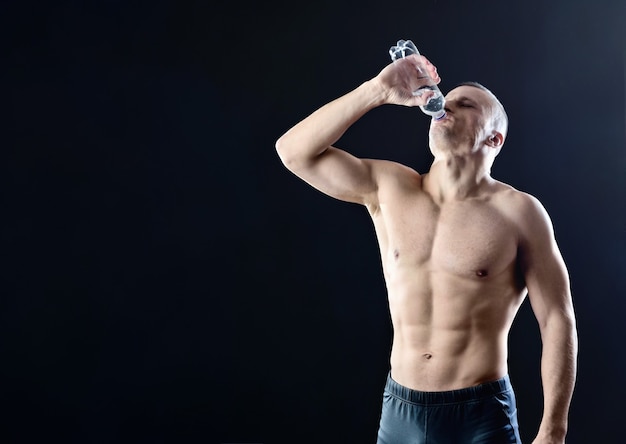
(316, 133)
(558, 373)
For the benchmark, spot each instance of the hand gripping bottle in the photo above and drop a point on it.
(435, 105)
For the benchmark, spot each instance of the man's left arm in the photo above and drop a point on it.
(550, 297)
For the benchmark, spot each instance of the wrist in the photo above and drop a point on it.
(376, 92)
(553, 433)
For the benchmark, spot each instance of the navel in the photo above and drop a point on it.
(396, 254)
(427, 356)
(481, 273)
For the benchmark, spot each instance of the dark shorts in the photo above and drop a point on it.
(484, 414)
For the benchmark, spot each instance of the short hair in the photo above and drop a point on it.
(501, 118)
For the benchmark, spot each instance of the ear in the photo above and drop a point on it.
(495, 139)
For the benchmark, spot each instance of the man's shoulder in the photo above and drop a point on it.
(390, 166)
(525, 209)
(390, 173)
(520, 204)
(392, 179)
(511, 195)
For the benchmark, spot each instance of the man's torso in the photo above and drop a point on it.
(453, 282)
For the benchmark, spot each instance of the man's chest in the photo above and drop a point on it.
(468, 237)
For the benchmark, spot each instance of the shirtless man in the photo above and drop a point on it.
(460, 251)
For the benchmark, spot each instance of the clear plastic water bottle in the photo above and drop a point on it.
(435, 105)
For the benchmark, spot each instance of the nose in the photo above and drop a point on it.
(450, 105)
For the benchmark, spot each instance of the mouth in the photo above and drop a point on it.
(445, 118)
(441, 117)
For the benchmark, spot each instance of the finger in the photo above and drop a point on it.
(426, 61)
(432, 70)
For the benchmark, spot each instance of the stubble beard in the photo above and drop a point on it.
(442, 139)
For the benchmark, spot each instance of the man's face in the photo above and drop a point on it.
(468, 113)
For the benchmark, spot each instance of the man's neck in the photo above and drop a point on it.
(457, 177)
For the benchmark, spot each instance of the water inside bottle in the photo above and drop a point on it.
(436, 102)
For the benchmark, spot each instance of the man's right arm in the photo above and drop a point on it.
(306, 149)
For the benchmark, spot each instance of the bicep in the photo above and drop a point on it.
(341, 175)
(544, 268)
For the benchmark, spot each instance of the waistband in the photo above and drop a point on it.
(451, 396)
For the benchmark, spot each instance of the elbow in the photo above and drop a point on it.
(286, 154)
(561, 324)
(282, 151)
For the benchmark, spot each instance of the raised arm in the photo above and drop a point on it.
(550, 297)
(306, 149)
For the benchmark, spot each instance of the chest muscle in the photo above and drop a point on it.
(470, 238)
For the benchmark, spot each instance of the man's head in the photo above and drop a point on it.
(476, 121)
(500, 117)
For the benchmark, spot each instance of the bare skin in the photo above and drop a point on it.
(459, 249)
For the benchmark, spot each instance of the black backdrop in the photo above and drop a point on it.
(166, 280)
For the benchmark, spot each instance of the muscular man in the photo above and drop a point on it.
(460, 251)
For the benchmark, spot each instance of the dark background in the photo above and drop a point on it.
(166, 280)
